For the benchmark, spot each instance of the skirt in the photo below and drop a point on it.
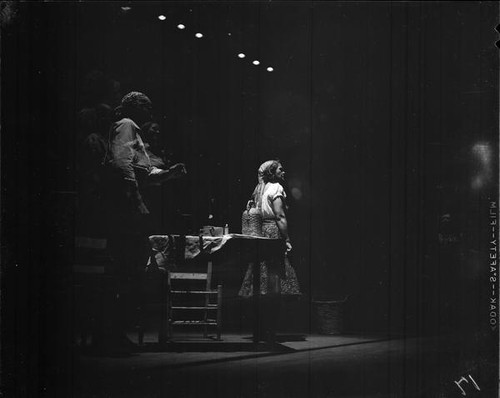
(274, 278)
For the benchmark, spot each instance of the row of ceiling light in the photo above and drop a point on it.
(199, 35)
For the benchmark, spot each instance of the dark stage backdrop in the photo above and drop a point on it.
(384, 116)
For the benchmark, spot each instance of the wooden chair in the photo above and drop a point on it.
(191, 294)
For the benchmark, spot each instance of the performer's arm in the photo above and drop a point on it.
(278, 207)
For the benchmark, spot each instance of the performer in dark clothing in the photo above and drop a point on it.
(130, 164)
(127, 213)
(151, 135)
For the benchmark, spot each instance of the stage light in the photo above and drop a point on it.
(125, 9)
(181, 26)
(241, 55)
(229, 34)
(162, 17)
(270, 69)
(199, 35)
(256, 62)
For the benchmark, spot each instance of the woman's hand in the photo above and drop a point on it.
(288, 247)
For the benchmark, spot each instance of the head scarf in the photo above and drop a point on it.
(259, 189)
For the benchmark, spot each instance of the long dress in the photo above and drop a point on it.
(274, 278)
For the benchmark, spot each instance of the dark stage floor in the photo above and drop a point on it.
(296, 366)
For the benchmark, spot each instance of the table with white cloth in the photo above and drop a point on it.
(171, 250)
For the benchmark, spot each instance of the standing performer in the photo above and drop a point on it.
(128, 216)
(280, 278)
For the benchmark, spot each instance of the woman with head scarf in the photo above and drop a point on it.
(276, 278)
(269, 197)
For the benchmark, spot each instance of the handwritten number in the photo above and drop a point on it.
(467, 381)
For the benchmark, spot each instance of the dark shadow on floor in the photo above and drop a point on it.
(191, 346)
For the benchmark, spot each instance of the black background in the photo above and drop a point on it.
(374, 110)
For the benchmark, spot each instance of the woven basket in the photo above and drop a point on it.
(251, 222)
(329, 316)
